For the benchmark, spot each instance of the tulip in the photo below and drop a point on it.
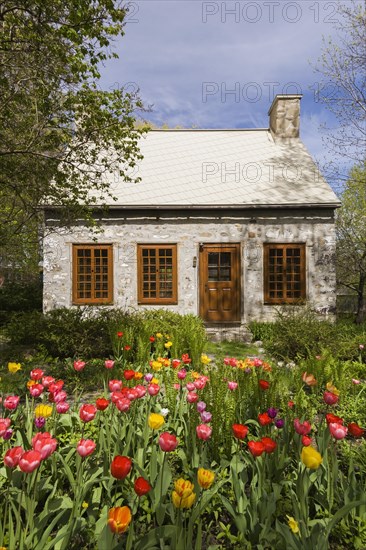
(206, 417)
(121, 467)
(263, 384)
(302, 428)
(129, 374)
(203, 431)
(309, 379)
(333, 418)
(12, 457)
(337, 430)
(306, 440)
(279, 423)
(183, 495)
(264, 419)
(272, 412)
(59, 396)
(87, 412)
(11, 402)
(79, 365)
(153, 389)
(47, 380)
(355, 430)
(269, 444)
(123, 404)
(14, 367)
(200, 383)
(39, 422)
(119, 518)
(36, 390)
(101, 403)
(85, 447)
(141, 390)
(152, 339)
(293, 525)
(155, 421)
(131, 394)
(240, 431)
(168, 442)
(330, 398)
(54, 387)
(119, 334)
(29, 461)
(40, 437)
(7, 435)
(201, 406)
(175, 363)
(205, 478)
(109, 363)
(115, 385)
(192, 397)
(186, 359)
(36, 374)
(256, 448)
(232, 385)
(148, 377)
(190, 386)
(45, 446)
(43, 411)
(4, 425)
(62, 407)
(141, 486)
(311, 458)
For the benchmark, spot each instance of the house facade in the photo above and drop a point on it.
(225, 224)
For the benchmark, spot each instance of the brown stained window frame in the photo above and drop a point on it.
(140, 279)
(92, 301)
(266, 270)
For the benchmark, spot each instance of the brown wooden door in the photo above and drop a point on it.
(219, 276)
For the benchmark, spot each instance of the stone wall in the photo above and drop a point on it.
(316, 230)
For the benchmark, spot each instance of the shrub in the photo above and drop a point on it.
(19, 297)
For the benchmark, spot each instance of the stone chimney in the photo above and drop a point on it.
(284, 116)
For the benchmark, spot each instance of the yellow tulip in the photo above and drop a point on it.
(293, 525)
(183, 495)
(205, 359)
(311, 457)
(43, 410)
(332, 388)
(156, 365)
(14, 367)
(155, 421)
(168, 345)
(205, 478)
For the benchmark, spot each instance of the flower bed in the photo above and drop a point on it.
(171, 454)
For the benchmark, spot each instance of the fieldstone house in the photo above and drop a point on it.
(226, 224)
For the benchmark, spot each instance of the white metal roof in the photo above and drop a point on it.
(222, 168)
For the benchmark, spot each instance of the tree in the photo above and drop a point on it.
(57, 127)
(343, 86)
(351, 232)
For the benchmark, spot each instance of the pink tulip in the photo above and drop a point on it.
(153, 389)
(7, 435)
(62, 407)
(201, 406)
(232, 385)
(12, 457)
(190, 386)
(47, 380)
(200, 383)
(59, 396)
(115, 385)
(11, 402)
(85, 447)
(4, 425)
(123, 404)
(36, 390)
(87, 412)
(192, 397)
(36, 374)
(206, 417)
(330, 398)
(141, 390)
(54, 387)
(109, 364)
(182, 373)
(302, 428)
(257, 362)
(337, 430)
(168, 442)
(29, 461)
(79, 365)
(45, 446)
(203, 431)
(132, 394)
(148, 377)
(233, 362)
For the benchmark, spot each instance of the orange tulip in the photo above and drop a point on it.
(119, 519)
(309, 379)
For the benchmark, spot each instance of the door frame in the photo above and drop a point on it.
(202, 280)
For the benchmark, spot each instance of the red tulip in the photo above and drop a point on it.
(203, 431)
(175, 363)
(129, 374)
(79, 365)
(4, 425)
(256, 448)
(85, 447)
(186, 359)
(168, 442)
(302, 428)
(36, 390)
(102, 403)
(269, 444)
(306, 440)
(12, 457)
(54, 387)
(121, 467)
(333, 418)
(87, 412)
(152, 339)
(36, 374)
(119, 334)
(11, 402)
(355, 430)
(29, 461)
(127, 348)
(330, 398)
(264, 419)
(192, 397)
(46, 446)
(337, 430)
(263, 384)
(141, 486)
(240, 431)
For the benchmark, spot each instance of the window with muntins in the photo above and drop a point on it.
(284, 273)
(157, 274)
(92, 274)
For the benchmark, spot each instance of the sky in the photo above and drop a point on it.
(219, 64)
